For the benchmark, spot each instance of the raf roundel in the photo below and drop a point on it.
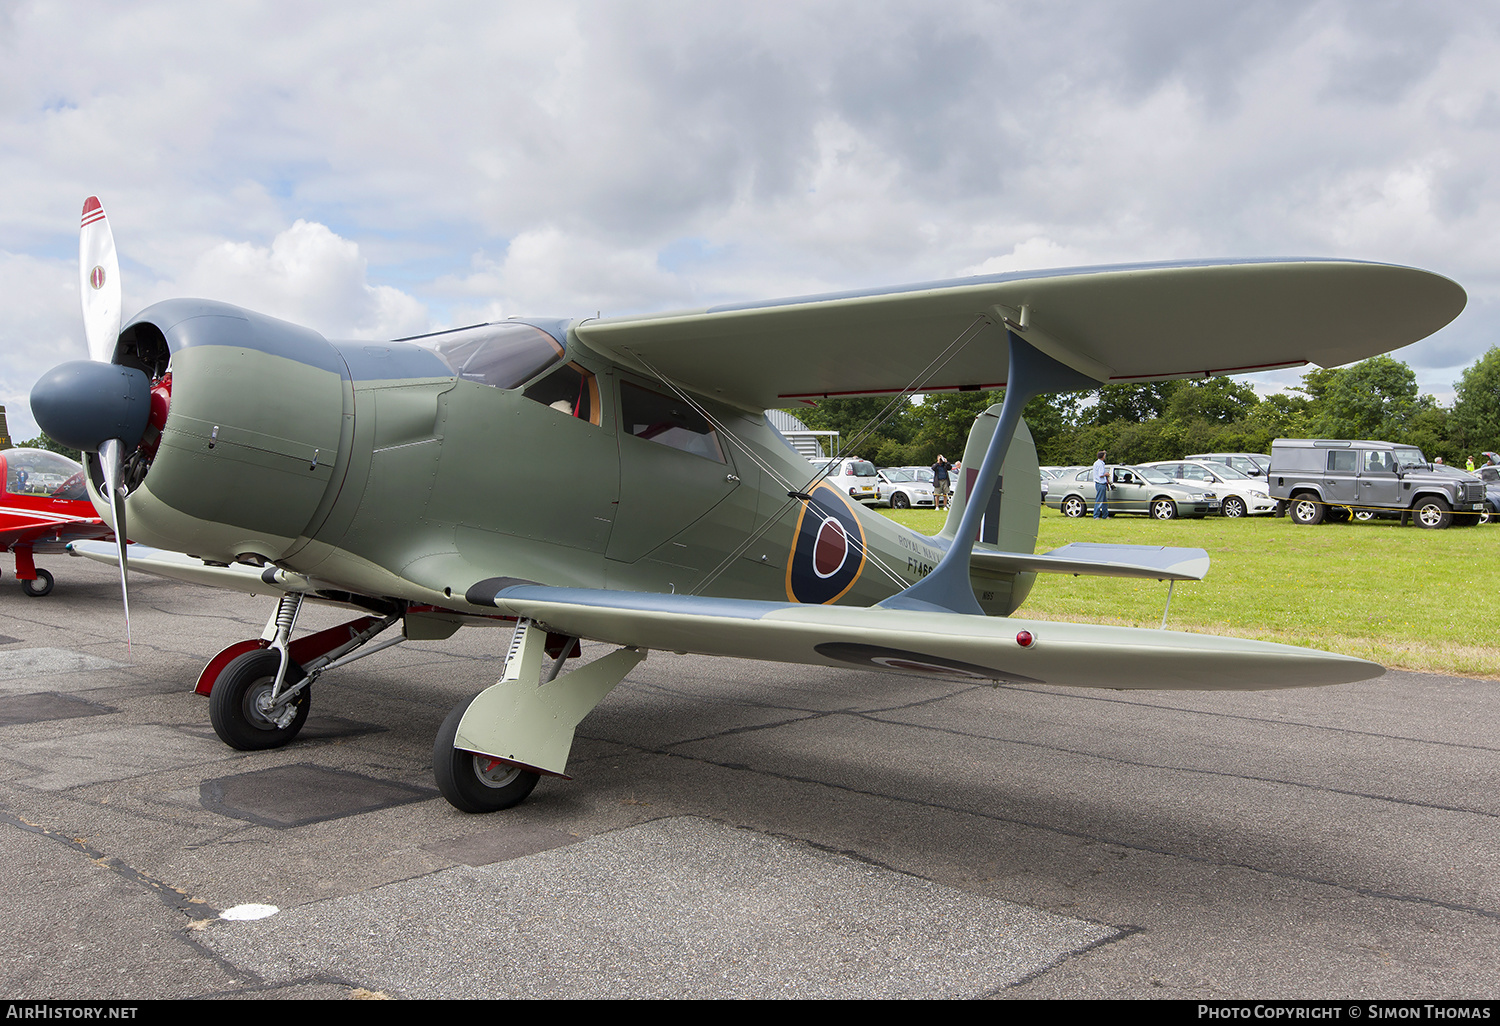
(828, 552)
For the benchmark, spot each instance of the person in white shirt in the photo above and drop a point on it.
(1101, 487)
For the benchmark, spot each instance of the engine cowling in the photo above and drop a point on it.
(257, 413)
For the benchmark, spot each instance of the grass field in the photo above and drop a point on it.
(1401, 596)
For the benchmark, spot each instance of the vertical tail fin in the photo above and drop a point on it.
(1010, 524)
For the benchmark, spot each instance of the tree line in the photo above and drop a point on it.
(1164, 420)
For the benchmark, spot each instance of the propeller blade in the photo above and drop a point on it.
(111, 459)
(99, 285)
(99, 281)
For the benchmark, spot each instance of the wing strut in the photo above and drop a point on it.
(1032, 373)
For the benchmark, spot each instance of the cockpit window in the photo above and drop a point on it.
(570, 389)
(501, 355)
(39, 472)
(670, 422)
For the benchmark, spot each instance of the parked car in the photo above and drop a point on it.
(1251, 464)
(1491, 492)
(901, 489)
(855, 477)
(1141, 490)
(1239, 494)
(1326, 479)
(1490, 475)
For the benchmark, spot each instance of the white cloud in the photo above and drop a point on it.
(307, 275)
(633, 156)
(551, 271)
(42, 327)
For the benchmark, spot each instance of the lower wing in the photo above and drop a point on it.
(946, 644)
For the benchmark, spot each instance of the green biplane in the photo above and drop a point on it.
(617, 480)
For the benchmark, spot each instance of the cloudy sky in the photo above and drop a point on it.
(377, 170)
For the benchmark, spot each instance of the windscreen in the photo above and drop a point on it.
(502, 355)
(39, 472)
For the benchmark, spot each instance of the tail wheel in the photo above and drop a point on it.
(473, 782)
(39, 587)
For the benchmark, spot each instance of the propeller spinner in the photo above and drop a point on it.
(97, 405)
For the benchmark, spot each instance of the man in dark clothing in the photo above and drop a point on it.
(940, 481)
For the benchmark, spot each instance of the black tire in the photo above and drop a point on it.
(233, 709)
(1338, 515)
(900, 501)
(1234, 506)
(1307, 510)
(1073, 506)
(476, 783)
(39, 587)
(1163, 509)
(1432, 512)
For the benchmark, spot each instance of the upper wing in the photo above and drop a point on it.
(954, 645)
(1125, 323)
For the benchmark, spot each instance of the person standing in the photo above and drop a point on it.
(1101, 488)
(940, 481)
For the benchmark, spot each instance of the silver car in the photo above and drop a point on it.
(1239, 494)
(1141, 490)
(901, 489)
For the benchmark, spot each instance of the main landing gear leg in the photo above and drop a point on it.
(490, 751)
(34, 582)
(259, 690)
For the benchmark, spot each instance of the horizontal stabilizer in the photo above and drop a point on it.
(191, 570)
(955, 646)
(1156, 562)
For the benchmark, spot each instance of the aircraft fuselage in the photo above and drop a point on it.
(384, 470)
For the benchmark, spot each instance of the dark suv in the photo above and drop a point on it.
(1327, 479)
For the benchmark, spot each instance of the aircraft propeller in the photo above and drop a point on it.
(97, 405)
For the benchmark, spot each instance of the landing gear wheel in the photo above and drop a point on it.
(1234, 506)
(900, 501)
(1433, 513)
(1073, 506)
(240, 703)
(1306, 510)
(39, 587)
(476, 783)
(1164, 509)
